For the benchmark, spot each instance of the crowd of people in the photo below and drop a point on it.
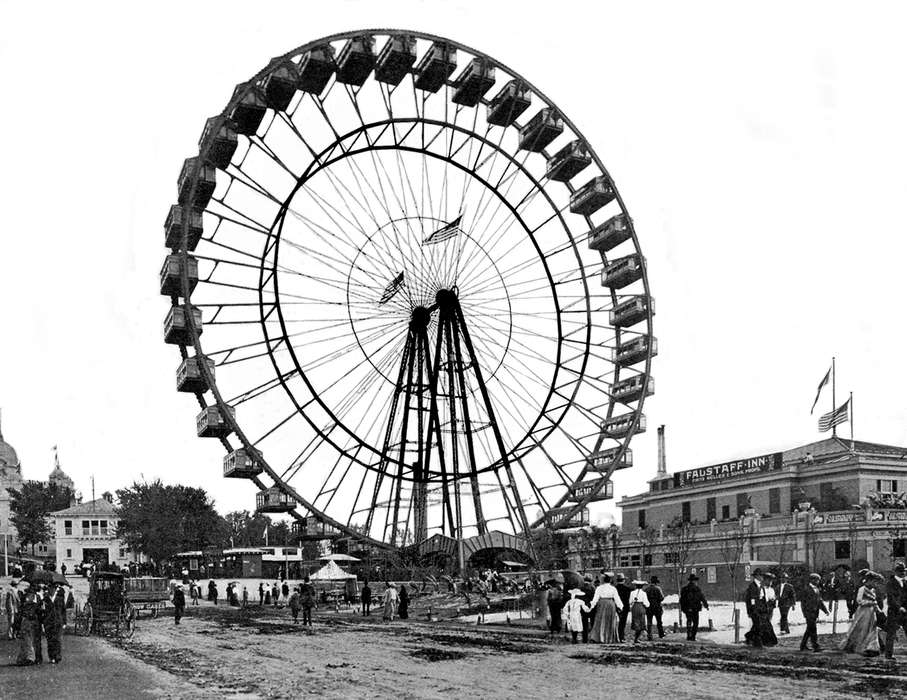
(37, 615)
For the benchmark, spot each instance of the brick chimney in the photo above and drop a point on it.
(662, 461)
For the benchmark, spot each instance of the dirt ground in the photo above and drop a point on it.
(226, 652)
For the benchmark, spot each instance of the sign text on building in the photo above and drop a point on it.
(728, 470)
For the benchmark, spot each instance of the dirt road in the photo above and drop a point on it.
(260, 653)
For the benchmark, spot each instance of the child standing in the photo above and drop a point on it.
(573, 613)
(639, 603)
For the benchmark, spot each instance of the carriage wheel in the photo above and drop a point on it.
(126, 622)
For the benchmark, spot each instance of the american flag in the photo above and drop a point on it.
(392, 288)
(840, 415)
(444, 233)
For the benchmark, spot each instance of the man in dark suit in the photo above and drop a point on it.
(897, 607)
(623, 590)
(655, 609)
(691, 602)
(810, 604)
(588, 593)
(786, 600)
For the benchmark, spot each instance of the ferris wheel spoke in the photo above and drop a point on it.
(259, 390)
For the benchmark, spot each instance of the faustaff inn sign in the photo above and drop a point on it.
(728, 470)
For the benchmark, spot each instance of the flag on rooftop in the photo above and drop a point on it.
(819, 390)
(444, 233)
(840, 415)
(392, 288)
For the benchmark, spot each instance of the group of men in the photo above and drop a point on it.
(36, 612)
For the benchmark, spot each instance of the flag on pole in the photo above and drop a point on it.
(819, 390)
(392, 288)
(444, 233)
(840, 415)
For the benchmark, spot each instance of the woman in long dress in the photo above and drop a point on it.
(606, 604)
(28, 621)
(639, 603)
(863, 637)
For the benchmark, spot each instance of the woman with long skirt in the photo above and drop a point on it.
(606, 604)
(28, 621)
(403, 602)
(863, 637)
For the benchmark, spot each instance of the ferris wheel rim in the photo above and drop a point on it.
(646, 372)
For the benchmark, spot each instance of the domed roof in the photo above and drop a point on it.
(8, 456)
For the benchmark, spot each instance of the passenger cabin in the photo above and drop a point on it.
(173, 227)
(541, 130)
(279, 86)
(176, 326)
(240, 465)
(621, 272)
(568, 161)
(205, 182)
(210, 423)
(631, 311)
(619, 427)
(356, 60)
(610, 234)
(396, 59)
(631, 389)
(435, 67)
(219, 137)
(559, 516)
(513, 99)
(171, 274)
(472, 84)
(273, 500)
(189, 376)
(315, 69)
(632, 351)
(592, 196)
(249, 110)
(311, 529)
(601, 461)
(584, 491)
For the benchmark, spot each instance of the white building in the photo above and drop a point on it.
(86, 532)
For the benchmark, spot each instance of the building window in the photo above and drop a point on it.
(842, 549)
(711, 574)
(634, 560)
(94, 528)
(685, 511)
(887, 485)
(103, 527)
(123, 554)
(725, 512)
(672, 557)
(898, 548)
(86, 528)
(711, 512)
(743, 502)
(67, 527)
(641, 517)
(69, 554)
(774, 500)
(624, 560)
(647, 560)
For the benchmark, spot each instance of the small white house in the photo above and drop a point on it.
(86, 532)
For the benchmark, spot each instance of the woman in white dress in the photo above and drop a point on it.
(863, 637)
(606, 604)
(573, 613)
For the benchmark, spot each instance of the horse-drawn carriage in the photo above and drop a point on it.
(108, 610)
(147, 593)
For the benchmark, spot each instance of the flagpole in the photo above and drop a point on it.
(850, 400)
(834, 428)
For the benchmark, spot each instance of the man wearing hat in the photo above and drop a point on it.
(752, 597)
(897, 607)
(692, 601)
(11, 608)
(787, 598)
(586, 615)
(655, 610)
(179, 603)
(810, 605)
(623, 590)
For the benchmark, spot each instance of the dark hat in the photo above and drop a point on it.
(900, 566)
(815, 577)
(692, 577)
(620, 577)
(587, 577)
(654, 580)
(769, 574)
(757, 572)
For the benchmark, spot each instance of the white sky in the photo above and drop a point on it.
(761, 153)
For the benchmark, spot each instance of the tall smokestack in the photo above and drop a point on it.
(662, 462)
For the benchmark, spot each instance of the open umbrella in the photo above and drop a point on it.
(338, 557)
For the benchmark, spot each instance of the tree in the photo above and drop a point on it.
(160, 520)
(783, 538)
(647, 536)
(679, 539)
(550, 548)
(245, 529)
(731, 548)
(30, 506)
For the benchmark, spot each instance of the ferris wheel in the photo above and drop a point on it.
(407, 294)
